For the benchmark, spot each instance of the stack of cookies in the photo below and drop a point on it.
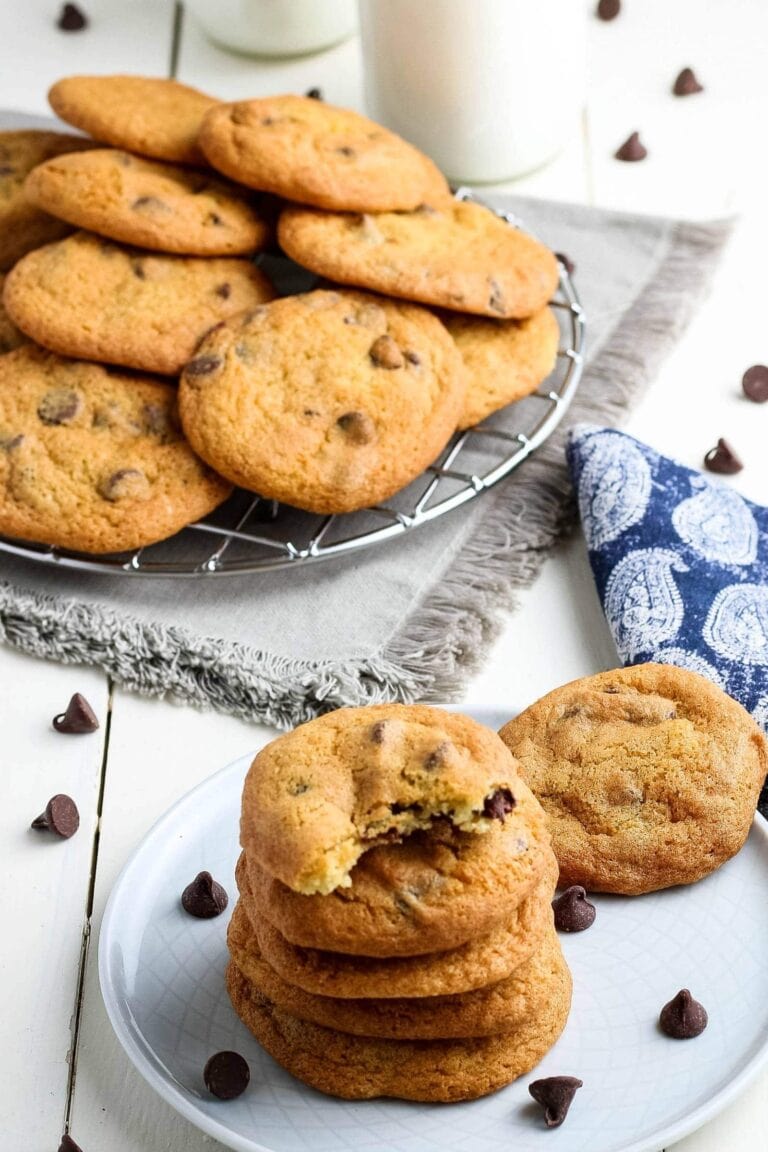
(394, 934)
(136, 248)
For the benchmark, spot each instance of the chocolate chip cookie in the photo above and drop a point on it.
(454, 255)
(329, 401)
(482, 960)
(23, 226)
(149, 204)
(435, 890)
(310, 151)
(87, 297)
(494, 1008)
(505, 359)
(94, 460)
(153, 117)
(361, 1067)
(649, 776)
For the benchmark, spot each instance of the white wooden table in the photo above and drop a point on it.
(60, 1060)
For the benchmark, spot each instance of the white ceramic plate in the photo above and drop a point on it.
(162, 977)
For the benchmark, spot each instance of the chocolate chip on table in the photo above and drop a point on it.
(555, 1094)
(78, 718)
(314, 93)
(358, 427)
(755, 383)
(723, 459)
(68, 1144)
(567, 263)
(498, 804)
(683, 1017)
(204, 897)
(203, 366)
(632, 149)
(608, 9)
(226, 1075)
(386, 354)
(71, 19)
(687, 84)
(59, 406)
(573, 912)
(60, 817)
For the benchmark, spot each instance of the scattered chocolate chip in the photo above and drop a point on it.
(68, 1144)
(632, 149)
(314, 93)
(59, 406)
(378, 731)
(8, 443)
(686, 84)
(226, 1075)
(138, 270)
(204, 897)
(124, 484)
(412, 357)
(438, 756)
(723, 459)
(567, 263)
(573, 912)
(71, 19)
(150, 202)
(345, 150)
(608, 9)
(203, 366)
(358, 427)
(60, 817)
(224, 290)
(498, 804)
(385, 353)
(555, 1094)
(78, 718)
(755, 383)
(683, 1018)
(496, 298)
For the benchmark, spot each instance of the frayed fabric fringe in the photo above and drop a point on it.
(444, 640)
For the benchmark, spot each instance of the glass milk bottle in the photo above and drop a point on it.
(490, 89)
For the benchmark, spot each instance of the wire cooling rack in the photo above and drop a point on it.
(250, 534)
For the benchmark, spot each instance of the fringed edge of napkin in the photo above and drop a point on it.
(439, 645)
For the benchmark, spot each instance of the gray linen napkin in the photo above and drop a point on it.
(411, 618)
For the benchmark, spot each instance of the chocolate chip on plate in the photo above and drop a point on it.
(632, 149)
(314, 93)
(204, 897)
(68, 1144)
(498, 804)
(78, 718)
(683, 1018)
(608, 9)
(687, 84)
(226, 1075)
(755, 383)
(71, 19)
(555, 1094)
(723, 459)
(573, 912)
(60, 817)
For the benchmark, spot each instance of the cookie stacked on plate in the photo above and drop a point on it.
(394, 934)
(135, 249)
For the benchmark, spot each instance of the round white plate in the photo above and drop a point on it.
(162, 977)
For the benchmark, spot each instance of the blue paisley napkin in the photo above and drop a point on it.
(680, 562)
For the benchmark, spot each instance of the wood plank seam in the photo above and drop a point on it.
(86, 940)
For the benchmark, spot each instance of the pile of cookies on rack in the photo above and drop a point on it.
(147, 365)
(394, 934)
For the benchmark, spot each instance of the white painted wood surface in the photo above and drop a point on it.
(706, 159)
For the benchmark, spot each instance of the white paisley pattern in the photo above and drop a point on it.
(718, 524)
(682, 658)
(642, 602)
(737, 624)
(614, 487)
